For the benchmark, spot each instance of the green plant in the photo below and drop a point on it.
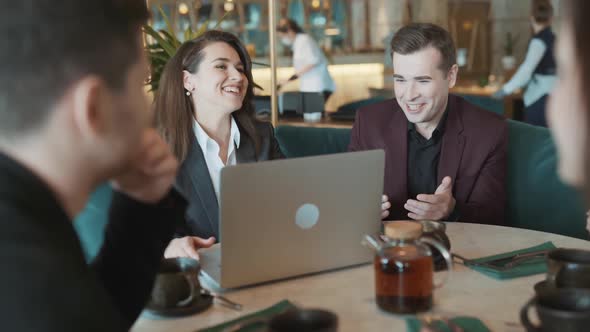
(483, 81)
(166, 44)
(509, 44)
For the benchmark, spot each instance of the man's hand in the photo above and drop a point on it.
(187, 246)
(433, 207)
(281, 84)
(385, 205)
(151, 173)
(588, 221)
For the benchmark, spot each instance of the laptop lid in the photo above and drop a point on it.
(285, 218)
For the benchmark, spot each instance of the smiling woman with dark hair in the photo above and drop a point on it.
(204, 111)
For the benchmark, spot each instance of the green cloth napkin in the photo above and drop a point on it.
(526, 268)
(264, 313)
(468, 324)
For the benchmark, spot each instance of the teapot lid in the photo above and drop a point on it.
(403, 230)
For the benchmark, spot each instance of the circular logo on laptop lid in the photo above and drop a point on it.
(307, 216)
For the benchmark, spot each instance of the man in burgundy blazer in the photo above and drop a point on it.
(430, 135)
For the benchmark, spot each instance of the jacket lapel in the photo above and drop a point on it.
(196, 167)
(397, 159)
(453, 143)
(246, 153)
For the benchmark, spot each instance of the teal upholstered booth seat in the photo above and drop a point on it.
(487, 103)
(536, 197)
(90, 223)
(303, 142)
(355, 105)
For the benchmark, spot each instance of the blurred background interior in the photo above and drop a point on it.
(491, 38)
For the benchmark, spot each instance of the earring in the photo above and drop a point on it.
(188, 93)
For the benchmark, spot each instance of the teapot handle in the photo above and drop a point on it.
(193, 292)
(558, 276)
(446, 255)
(524, 317)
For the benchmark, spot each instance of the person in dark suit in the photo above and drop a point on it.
(445, 158)
(204, 110)
(74, 116)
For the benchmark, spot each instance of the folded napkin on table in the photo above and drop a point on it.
(468, 324)
(262, 314)
(525, 268)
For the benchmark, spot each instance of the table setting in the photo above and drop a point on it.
(531, 284)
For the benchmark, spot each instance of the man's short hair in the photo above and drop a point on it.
(48, 45)
(542, 11)
(417, 36)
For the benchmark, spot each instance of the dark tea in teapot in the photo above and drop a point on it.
(403, 280)
(404, 269)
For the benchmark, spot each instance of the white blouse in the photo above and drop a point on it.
(210, 150)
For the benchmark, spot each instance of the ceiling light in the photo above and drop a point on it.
(228, 6)
(183, 8)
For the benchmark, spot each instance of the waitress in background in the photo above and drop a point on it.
(310, 64)
(537, 71)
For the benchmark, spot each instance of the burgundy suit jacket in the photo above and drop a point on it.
(473, 154)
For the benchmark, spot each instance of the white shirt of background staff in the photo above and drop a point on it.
(306, 52)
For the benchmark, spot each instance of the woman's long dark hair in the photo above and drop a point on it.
(288, 24)
(174, 110)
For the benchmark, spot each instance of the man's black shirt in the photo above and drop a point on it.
(423, 157)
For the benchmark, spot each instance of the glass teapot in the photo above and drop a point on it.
(404, 268)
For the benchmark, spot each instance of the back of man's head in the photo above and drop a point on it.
(47, 45)
(418, 36)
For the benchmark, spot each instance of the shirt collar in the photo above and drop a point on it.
(235, 132)
(440, 128)
(203, 138)
(22, 186)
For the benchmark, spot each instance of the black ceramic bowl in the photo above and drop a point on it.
(305, 320)
(559, 309)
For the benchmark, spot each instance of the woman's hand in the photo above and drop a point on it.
(187, 246)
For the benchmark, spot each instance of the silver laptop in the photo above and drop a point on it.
(285, 218)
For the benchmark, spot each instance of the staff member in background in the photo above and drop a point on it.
(537, 71)
(311, 66)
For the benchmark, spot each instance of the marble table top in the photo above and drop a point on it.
(350, 292)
